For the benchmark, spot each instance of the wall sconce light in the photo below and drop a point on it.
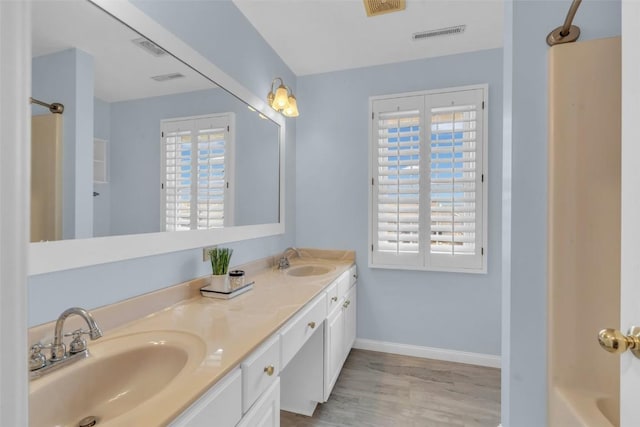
(282, 99)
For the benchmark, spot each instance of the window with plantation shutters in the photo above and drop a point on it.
(428, 173)
(196, 172)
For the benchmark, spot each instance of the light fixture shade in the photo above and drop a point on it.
(292, 108)
(281, 100)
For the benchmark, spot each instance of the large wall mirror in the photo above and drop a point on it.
(153, 139)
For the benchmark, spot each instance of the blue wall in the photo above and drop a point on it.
(223, 35)
(410, 307)
(527, 24)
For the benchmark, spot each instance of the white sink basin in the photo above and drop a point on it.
(120, 374)
(309, 270)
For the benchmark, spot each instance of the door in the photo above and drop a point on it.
(630, 225)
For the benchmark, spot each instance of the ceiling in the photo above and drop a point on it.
(123, 70)
(316, 36)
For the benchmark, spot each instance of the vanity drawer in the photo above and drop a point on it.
(332, 297)
(259, 371)
(301, 327)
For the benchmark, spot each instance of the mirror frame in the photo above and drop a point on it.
(47, 257)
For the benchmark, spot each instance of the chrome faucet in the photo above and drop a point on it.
(283, 263)
(38, 363)
(58, 350)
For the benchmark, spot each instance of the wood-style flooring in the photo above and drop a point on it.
(385, 390)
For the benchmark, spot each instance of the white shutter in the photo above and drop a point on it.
(212, 172)
(427, 172)
(455, 202)
(178, 170)
(398, 135)
(196, 172)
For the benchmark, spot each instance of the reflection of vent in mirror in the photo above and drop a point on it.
(167, 77)
(378, 7)
(439, 32)
(149, 46)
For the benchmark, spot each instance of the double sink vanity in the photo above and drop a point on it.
(175, 358)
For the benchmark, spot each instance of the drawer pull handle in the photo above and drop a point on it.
(334, 299)
(355, 276)
(312, 324)
(346, 303)
(269, 370)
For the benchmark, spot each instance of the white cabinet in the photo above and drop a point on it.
(301, 328)
(259, 371)
(302, 355)
(266, 411)
(349, 320)
(218, 407)
(340, 329)
(333, 345)
(332, 296)
(310, 350)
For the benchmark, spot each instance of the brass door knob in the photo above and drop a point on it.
(616, 342)
(269, 370)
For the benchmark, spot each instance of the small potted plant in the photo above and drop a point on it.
(220, 258)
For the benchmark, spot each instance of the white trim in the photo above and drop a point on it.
(447, 355)
(505, 235)
(67, 254)
(630, 229)
(15, 122)
(484, 86)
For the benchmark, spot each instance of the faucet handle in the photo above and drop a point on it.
(283, 263)
(78, 344)
(37, 360)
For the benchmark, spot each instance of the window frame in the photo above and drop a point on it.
(424, 259)
(229, 166)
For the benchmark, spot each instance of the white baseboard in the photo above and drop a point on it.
(479, 359)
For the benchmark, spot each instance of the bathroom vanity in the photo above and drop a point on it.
(220, 362)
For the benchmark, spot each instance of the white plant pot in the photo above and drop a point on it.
(220, 283)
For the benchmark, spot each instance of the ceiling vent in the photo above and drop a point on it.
(439, 32)
(379, 7)
(167, 77)
(149, 46)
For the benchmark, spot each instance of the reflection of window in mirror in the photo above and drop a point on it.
(196, 162)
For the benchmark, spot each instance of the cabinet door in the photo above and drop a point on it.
(220, 406)
(349, 321)
(334, 349)
(266, 411)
